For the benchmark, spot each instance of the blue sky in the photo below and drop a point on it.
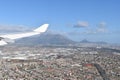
(95, 20)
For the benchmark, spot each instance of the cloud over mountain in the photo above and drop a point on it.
(13, 28)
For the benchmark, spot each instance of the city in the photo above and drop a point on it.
(59, 63)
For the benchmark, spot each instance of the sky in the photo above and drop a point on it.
(94, 20)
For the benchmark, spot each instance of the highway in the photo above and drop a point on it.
(101, 72)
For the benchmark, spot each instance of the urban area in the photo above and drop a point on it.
(59, 63)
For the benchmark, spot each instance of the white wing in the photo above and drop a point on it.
(39, 30)
(10, 37)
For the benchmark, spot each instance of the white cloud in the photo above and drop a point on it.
(101, 27)
(13, 28)
(102, 24)
(80, 24)
(103, 30)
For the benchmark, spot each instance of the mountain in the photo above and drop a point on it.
(45, 39)
(86, 41)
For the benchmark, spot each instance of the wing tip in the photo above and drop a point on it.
(42, 28)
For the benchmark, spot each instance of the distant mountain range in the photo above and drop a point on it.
(51, 39)
(86, 41)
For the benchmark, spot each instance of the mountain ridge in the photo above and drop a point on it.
(52, 39)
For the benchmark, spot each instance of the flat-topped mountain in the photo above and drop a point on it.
(46, 39)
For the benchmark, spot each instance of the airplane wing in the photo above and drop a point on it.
(5, 39)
